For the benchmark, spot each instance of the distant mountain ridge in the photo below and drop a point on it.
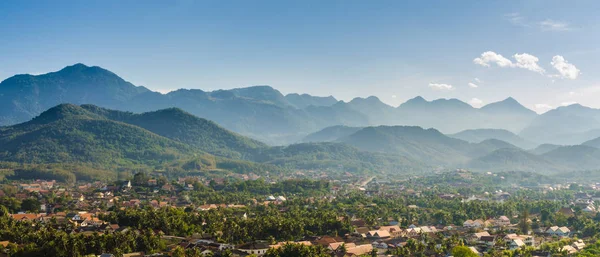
(566, 125)
(171, 139)
(478, 135)
(264, 113)
(421, 144)
(176, 140)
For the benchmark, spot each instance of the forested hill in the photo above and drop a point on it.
(181, 126)
(69, 134)
(170, 139)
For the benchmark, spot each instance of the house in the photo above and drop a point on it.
(487, 240)
(567, 211)
(516, 243)
(395, 231)
(502, 221)
(569, 249)
(558, 231)
(579, 245)
(359, 250)
(473, 223)
(378, 234)
(477, 236)
(526, 239)
(258, 248)
(25, 216)
(379, 244)
(136, 254)
(335, 246)
(362, 230)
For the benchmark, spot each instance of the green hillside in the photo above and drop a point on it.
(508, 159)
(426, 145)
(331, 134)
(183, 127)
(70, 134)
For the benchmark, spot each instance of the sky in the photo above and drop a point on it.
(543, 53)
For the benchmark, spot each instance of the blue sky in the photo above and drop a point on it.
(394, 50)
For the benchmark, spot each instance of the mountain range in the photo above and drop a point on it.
(263, 113)
(170, 139)
(178, 141)
(108, 121)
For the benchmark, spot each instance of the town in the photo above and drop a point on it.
(193, 216)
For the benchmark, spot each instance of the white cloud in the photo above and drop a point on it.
(476, 102)
(528, 62)
(567, 103)
(552, 25)
(516, 19)
(441, 87)
(477, 80)
(542, 107)
(473, 85)
(564, 68)
(546, 25)
(393, 96)
(523, 61)
(491, 57)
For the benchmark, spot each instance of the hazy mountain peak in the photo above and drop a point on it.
(417, 99)
(508, 104)
(262, 93)
(370, 99)
(302, 101)
(452, 102)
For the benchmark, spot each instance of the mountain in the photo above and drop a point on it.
(263, 93)
(330, 134)
(512, 159)
(543, 148)
(508, 105)
(70, 134)
(92, 138)
(478, 135)
(508, 114)
(448, 115)
(428, 145)
(567, 125)
(260, 112)
(305, 100)
(335, 156)
(176, 124)
(593, 143)
(377, 112)
(22, 97)
(577, 157)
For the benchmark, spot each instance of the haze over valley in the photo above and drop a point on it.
(417, 136)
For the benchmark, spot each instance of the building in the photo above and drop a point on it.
(258, 248)
(502, 221)
(558, 231)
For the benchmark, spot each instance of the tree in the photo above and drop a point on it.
(463, 251)
(178, 252)
(524, 221)
(30, 205)
(140, 179)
